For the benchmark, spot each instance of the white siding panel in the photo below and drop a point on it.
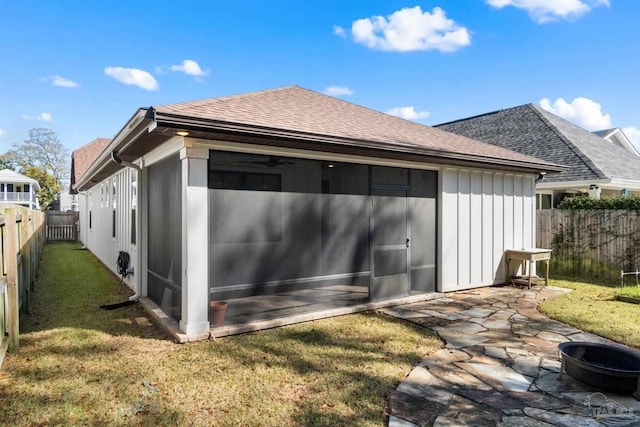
(498, 227)
(487, 228)
(490, 213)
(508, 238)
(518, 212)
(464, 227)
(475, 228)
(99, 237)
(449, 229)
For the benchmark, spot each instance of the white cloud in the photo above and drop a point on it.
(62, 82)
(2, 132)
(411, 29)
(337, 91)
(339, 31)
(581, 111)
(633, 133)
(42, 117)
(408, 113)
(542, 11)
(45, 117)
(132, 76)
(190, 67)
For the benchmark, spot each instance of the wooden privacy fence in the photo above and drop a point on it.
(62, 226)
(590, 243)
(22, 238)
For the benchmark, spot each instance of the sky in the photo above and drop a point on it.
(83, 68)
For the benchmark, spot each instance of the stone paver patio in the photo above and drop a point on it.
(500, 367)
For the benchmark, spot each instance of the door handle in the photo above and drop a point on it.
(407, 242)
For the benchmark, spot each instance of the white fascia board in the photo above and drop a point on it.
(571, 185)
(605, 184)
(128, 132)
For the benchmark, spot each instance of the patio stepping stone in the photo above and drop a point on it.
(551, 336)
(414, 409)
(500, 377)
(500, 365)
(490, 323)
(522, 422)
(563, 420)
(421, 382)
(496, 352)
(459, 378)
(477, 312)
(527, 365)
(445, 355)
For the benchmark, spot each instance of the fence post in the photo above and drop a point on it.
(11, 265)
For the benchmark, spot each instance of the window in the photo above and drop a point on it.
(134, 203)
(543, 201)
(113, 212)
(90, 204)
(26, 188)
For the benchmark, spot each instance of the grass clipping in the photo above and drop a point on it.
(83, 366)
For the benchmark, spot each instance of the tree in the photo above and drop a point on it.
(43, 158)
(5, 163)
(49, 186)
(44, 150)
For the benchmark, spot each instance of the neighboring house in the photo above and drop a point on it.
(18, 189)
(81, 159)
(617, 136)
(597, 166)
(288, 201)
(67, 202)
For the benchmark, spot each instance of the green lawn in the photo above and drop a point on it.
(79, 365)
(593, 307)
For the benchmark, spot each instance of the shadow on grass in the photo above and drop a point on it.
(71, 286)
(82, 365)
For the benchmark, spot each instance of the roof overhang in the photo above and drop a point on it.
(148, 128)
(605, 184)
(137, 133)
(286, 138)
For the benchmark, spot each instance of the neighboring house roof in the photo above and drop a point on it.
(617, 136)
(294, 117)
(83, 157)
(536, 132)
(12, 177)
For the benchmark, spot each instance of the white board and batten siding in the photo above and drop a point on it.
(483, 215)
(97, 233)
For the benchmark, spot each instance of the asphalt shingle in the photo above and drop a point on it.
(536, 132)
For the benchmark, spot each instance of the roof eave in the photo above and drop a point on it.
(141, 122)
(177, 121)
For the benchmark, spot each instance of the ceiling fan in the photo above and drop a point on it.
(272, 162)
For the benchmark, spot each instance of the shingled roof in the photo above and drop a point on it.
(296, 118)
(83, 157)
(536, 132)
(308, 114)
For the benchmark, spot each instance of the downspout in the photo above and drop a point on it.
(116, 159)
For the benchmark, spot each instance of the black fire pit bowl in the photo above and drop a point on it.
(610, 367)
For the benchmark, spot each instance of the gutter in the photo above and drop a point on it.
(140, 123)
(210, 125)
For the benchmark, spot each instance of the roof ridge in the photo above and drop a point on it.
(540, 112)
(483, 115)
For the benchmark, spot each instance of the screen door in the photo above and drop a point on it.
(390, 244)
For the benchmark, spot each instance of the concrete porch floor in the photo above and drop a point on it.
(255, 313)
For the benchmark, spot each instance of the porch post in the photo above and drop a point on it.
(195, 241)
